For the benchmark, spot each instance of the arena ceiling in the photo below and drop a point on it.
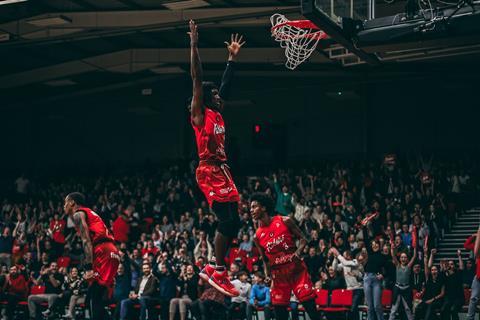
(50, 49)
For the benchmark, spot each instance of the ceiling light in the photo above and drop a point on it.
(343, 95)
(2, 2)
(50, 21)
(189, 4)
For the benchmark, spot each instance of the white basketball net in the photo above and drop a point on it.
(298, 43)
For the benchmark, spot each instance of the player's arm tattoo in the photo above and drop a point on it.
(292, 226)
(266, 265)
(81, 224)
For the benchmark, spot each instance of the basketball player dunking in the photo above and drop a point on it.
(275, 239)
(101, 256)
(213, 174)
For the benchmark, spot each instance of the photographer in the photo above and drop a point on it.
(52, 280)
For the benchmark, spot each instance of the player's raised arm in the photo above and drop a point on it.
(292, 226)
(81, 223)
(233, 47)
(197, 74)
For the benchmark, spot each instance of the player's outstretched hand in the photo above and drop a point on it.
(234, 45)
(193, 33)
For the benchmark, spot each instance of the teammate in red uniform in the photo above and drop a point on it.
(101, 256)
(275, 239)
(213, 174)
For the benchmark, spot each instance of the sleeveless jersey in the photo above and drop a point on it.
(211, 137)
(97, 228)
(277, 242)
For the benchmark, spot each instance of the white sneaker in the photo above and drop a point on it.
(46, 313)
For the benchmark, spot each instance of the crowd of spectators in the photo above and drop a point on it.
(164, 230)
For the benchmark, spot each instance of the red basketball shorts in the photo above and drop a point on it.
(291, 277)
(216, 183)
(105, 263)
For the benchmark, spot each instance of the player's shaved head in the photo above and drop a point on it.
(78, 198)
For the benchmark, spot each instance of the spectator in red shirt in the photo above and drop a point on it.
(56, 229)
(473, 243)
(121, 227)
(150, 249)
(15, 289)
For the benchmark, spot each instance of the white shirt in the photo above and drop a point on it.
(143, 284)
(349, 267)
(244, 289)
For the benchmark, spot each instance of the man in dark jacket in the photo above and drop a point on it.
(167, 287)
(122, 286)
(145, 291)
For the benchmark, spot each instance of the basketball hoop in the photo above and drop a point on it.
(299, 38)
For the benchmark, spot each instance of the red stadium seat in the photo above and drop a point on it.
(255, 312)
(387, 299)
(340, 302)
(322, 299)
(63, 262)
(37, 290)
(342, 298)
(250, 262)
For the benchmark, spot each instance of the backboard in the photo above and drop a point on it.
(329, 16)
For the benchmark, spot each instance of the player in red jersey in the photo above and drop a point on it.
(213, 174)
(275, 239)
(101, 256)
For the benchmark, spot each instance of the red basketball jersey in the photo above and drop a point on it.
(97, 228)
(277, 242)
(211, 137)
